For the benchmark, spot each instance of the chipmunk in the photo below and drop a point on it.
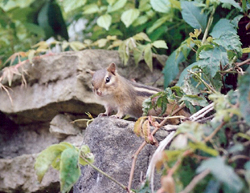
(121, 95)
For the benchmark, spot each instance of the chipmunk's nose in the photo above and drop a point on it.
(99, 93)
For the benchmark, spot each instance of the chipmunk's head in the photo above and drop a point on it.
(104, 81)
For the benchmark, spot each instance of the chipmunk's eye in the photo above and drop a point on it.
(107, 79)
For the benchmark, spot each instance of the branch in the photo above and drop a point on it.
(195, 181)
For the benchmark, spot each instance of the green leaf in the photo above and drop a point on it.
(162, 6)
(140, 20)
(231, 2)
(230, 41)
(212, 59)
(222, 172)
(117, 5)
(36, 29)
(244, 99)
(138, 54)
(202, 146)
(129, 16)
(224, 24)
(148, 56)
(141, 36)
(69, 169)
(70, 5)
(104, 21)
(160, 44)
(171, 69)
(85, 152)
(175, 4)
(158, 23)
(193, 128)
(46, 157)
(90, 9)
(76, 46)
(195, 100)
(193, 15)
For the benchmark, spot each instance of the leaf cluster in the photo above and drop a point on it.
(210, 152)
(65, 158)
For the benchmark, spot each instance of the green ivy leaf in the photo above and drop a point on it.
(222, 172)
(90, 9)
(159, 22)
(70, 5)
(244, 99)
(104, 21)
(193, 15)
(117, 5)
(162, 6)
(69, 169)
(46, 158)
(129, 16)
(160, 44)
(148, 56)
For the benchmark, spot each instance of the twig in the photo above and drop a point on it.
(103, 173)
(209, 23)
(133, 165)
(195, 181)
(151, 167)
(208, 138)
(202, 112)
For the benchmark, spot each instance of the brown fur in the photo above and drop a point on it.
(121, 95)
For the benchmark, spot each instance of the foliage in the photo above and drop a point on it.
(65, 158)
(207, 156)
(207, 54)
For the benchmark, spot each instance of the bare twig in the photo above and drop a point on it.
(151, 167)
(208, 138)
(195, 181)
(133, 164)
(201, 113)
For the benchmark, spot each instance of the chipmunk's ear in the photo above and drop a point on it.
(112, 68)
(90, 72)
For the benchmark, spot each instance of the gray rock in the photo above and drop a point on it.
(113, 143)
(61, 127)
(59, 83)
(57, 86)
(18, 175)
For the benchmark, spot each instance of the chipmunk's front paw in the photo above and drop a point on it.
(116, 116)
(102, 115)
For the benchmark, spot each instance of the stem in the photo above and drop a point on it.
(214, 132)
(209, 23)
(195, 181)
(133, 165)
(103, 173)
(206, 84)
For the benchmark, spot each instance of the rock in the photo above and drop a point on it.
(16, 140)
(113, 144)
(17, 175)
(59, 83)
(51, 92)
(61, 127)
